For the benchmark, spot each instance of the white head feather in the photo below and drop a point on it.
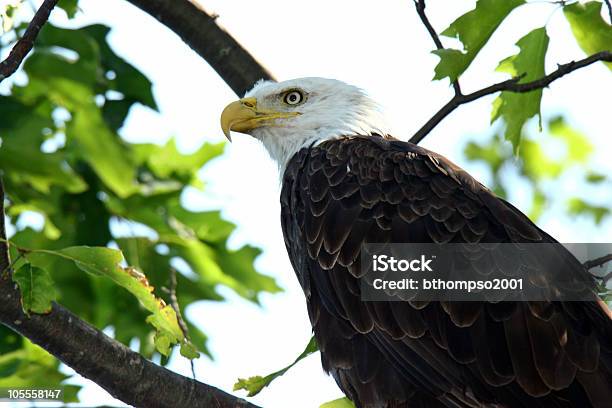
(330, 109)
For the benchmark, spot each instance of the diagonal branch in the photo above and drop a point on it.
(510, 85)
(25, 43)
(239, 69)
(609, 5)
(601, 261)
(125, 374)
(420, 8)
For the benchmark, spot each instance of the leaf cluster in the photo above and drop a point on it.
(546, 164)
(475, 29)
(100, 223)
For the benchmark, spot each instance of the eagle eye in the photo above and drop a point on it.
(293, 97)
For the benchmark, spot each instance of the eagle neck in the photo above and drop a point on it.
(282, 150)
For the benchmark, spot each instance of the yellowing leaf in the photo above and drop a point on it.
(253, 385)
(338, 403)
(473, 29)
(515, 108)
(591, 31)
(36, 287)
(107, 262)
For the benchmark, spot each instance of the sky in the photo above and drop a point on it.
(380, 46)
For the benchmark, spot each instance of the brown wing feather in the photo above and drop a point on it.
(343, 193)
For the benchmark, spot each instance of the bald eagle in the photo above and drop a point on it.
(346, 182)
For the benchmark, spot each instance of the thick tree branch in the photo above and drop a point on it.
(420, 8)
(25, 43)
(199, 30)
(510, 85)
(125, 374)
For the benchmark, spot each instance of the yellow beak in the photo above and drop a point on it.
(243, 116)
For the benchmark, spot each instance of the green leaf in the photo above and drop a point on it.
(127, 79)
(515, 108)
(578, 146)
(199, 239)
(69, 6)
(473, 29)
(239, 264)
(82, 67)
(107, 262)
(36, 287)
(491, 154)
(536, 163)
(595, 178)
(9, 341)
(40, 170)
(189, 351)
(253, 385)
(538, 204)
(167, 161)
(105, 152)
(339, 403)
(115, 112)
(577, 206)
(591, 31)
(22, 132)
(31, 367)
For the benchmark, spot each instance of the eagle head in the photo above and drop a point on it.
(288, 116)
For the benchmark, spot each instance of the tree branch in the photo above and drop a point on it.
(200, 31)
(601, 261)
(510, 85)
(125, 374)
(609, 5)
(420, 8)
(25, 43)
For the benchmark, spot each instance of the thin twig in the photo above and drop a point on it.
(25, 43)
(609, 5)
(510, 85)
(601, 261)
(61, 332)
(5, 259)
(606, 278)
(420, 8)
(174, 303)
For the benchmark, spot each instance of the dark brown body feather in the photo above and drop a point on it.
(343, 193)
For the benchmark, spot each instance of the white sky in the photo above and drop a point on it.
(380, 46)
